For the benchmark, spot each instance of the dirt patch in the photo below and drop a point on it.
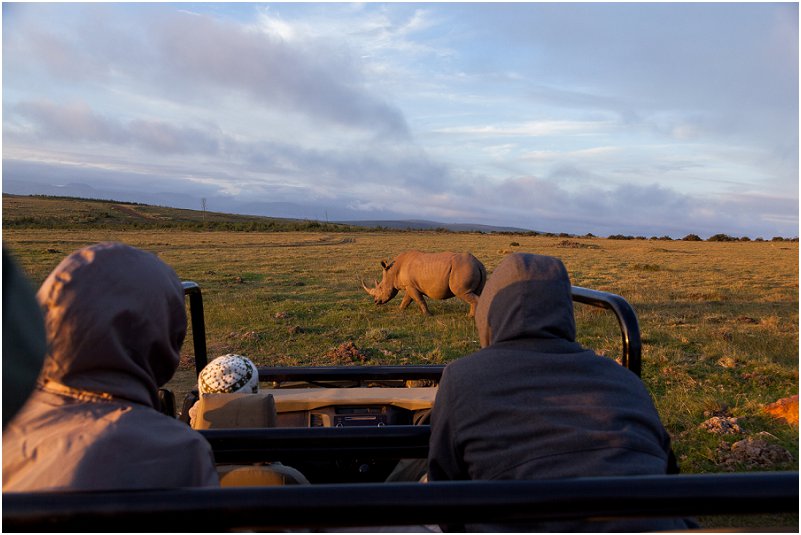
(132, 212)
(248, 336)
(346, 353)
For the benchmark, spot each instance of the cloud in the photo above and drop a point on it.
(77, 122)
(186, 57)
(530, 128)
(307, 77)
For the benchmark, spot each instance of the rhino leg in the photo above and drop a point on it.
(412, 293)
(471, 299)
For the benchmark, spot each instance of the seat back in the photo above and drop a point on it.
(229, 411)
(266, 475)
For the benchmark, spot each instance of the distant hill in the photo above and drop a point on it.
(41, 211)
(38, 211)
(418, 224)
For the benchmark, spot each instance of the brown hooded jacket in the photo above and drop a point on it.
(115, 322)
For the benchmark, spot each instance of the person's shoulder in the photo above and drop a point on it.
(468, 367)
(158, 427)
(465, 361)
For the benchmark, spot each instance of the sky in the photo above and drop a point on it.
(644, 119)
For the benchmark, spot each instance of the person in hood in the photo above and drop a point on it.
(535, 404)
(24, 343)
(115, 321)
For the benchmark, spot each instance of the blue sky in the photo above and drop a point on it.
(644, 119)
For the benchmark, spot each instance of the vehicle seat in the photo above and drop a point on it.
(260, 475)
(227, 411)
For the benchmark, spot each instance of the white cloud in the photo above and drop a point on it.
(530, 128)
(581, 154)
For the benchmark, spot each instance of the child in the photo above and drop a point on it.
(227, 374)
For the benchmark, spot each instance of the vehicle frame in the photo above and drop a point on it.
(363, 504)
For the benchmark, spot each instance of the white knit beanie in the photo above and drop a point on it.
(229, 374)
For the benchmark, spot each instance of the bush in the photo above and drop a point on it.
(721, 237)
(692, 237)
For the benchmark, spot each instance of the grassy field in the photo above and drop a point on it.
(719, 320)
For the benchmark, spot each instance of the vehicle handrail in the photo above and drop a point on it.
(631, 356)
(289, 444)
(350, 373)
(388, 504)
(192, 289)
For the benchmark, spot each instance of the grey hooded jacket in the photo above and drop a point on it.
(115, 321)
(534, 404)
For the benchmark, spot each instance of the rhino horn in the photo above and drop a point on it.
(370, 291)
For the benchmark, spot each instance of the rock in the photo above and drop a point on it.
(755, 453)
(722, 425)
(785, 409)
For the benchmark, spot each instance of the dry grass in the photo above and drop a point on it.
(719, 320)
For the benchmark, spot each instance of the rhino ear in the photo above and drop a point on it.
(386, 266)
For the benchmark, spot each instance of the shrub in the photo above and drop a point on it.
(692, 237)
(721, 237)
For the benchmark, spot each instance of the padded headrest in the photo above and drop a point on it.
(260, 475)
(226, 411)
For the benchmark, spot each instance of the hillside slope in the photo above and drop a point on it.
(40, 211)
(68, 212)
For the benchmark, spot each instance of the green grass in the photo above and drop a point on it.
(719, 320)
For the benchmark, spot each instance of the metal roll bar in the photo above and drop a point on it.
(631, 357)
(192, 289)
(626, 318)
(289, 444)
(388, 504)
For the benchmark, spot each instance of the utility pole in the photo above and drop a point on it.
(203, 206)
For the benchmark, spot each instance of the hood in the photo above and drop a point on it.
(115, 322)
(527, 296)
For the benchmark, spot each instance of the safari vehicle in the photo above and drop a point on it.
(346, 428)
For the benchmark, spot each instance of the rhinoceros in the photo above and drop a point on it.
(436, 275)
